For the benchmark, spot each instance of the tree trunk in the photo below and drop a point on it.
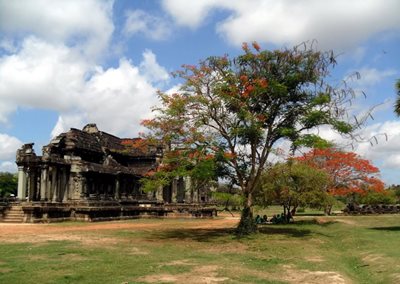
(247, 224)
(328, 210)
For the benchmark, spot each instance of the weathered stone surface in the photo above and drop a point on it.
(372, 209)
(92, 175)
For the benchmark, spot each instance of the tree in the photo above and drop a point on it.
(8, 184)
(349, 173)
(293, 184)
(373, 198)
(397, 104)
(235, 110)
(394, 190)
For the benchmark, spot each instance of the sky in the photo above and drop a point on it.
(66, 63)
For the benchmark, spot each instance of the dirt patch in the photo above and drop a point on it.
(199, 275)
(315, 258)
(137, 251)
(180, 262)
(29, 230)
(293, 275)
(347, 221)
(396, 277)
(373, 258)
(5, 270)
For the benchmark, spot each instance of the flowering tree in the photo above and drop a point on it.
(233, 112)
(349, 173)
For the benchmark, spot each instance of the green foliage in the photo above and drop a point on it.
(226, 199)
(312, 140)
(8, 184)
(373, 198)
(293, 185)
(397, 103)
(395, 191)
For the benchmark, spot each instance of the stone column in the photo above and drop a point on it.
(54, 184)
(116, 194)
(21, 183)
(159, 194)
(31, 183)
(174, 190)
(188, 190)
(43, 183)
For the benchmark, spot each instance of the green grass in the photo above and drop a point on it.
(360, 249)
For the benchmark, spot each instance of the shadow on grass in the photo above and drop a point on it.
(391, 228)
(210, 235)
(281, 230)
(310, 214)
(315, 222)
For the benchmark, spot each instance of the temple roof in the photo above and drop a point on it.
(90, 139)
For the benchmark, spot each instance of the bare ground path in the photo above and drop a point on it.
(31, 232)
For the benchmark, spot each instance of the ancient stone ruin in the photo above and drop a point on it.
(354, 209)
(92, 175)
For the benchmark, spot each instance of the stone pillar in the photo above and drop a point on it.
(116, 194)
(54, 184)
(174, 189)
(64, 184)
(31, 183)
(188, 191)
(21, 183)
(43, 183)
(48, 193)
(159, 194)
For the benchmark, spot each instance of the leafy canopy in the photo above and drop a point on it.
(8, 184)
(234, 110)
(293, 184)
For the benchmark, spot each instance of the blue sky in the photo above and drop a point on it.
(67, 63)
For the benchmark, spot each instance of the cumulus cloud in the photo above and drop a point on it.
(50, 61)
(56, 77)
(117, 99)
(335, 24)
(8, 146)
(140, 22)
(61, 21)
(151, 69)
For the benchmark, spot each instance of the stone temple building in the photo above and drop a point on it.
(92, 175)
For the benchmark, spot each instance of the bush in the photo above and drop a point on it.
(372, 198)
(8, 184)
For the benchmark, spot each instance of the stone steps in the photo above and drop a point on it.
(14, 214)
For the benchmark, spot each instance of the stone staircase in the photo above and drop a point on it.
(14, 214)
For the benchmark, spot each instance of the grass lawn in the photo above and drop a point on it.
(316, 249)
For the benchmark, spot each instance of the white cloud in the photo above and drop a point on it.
(138, 21)
(8, 146)
(335, 24)
(56, 77)
(373, 76)
(151, 69)
(41, 75)
(86, 25)
(117, 99)
(192, 13)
